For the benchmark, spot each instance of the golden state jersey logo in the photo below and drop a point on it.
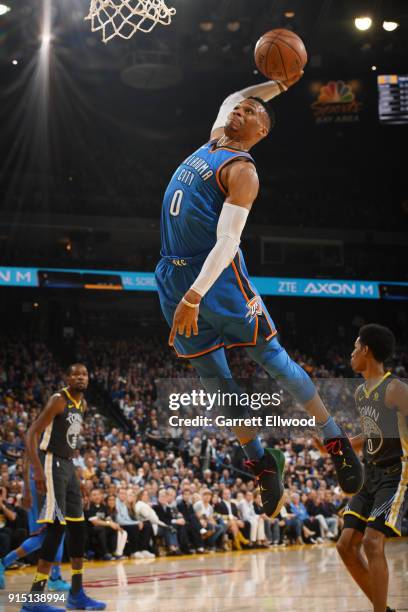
(74, 429)
(373, 435)
(254, 307)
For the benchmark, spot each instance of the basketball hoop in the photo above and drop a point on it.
(126, 17)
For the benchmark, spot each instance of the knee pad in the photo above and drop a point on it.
(76, 539)
(52, 540)
(275, 360)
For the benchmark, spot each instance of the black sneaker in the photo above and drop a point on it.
(390, 609)
(269, 473)
(348, 467)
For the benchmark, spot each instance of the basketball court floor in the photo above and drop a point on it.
(304, 578)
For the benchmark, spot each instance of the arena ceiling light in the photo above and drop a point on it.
(390, 26)
(4, 9)
(363, 23)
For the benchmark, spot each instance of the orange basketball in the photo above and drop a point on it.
(280, 55)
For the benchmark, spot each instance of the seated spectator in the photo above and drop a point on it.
(145, 512)
(169, 533)
(229, 513)
(178, 521)
(193, 526)
(311, 504)
(310, 525)
(205, 514)
(272, 526)
(121, 534)
(89, 471)
(130, 525)
(145, 542)
(11, 448)
(7, 518)
(328, 510)
(248, 514)
(101, 529)
(292, 525)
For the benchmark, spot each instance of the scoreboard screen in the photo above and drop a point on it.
(393, 98)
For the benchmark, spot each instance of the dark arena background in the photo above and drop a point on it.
(91, 134)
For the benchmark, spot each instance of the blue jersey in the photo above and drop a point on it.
(232, 312)
(193, 200)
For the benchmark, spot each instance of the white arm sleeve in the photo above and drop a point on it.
(229, 229)
(266, 91)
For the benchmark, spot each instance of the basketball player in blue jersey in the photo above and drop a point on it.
(36, 538)
(206, 296)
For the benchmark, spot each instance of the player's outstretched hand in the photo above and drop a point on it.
(289, 82)
(185, 320)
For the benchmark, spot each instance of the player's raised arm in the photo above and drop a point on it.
(241, 181)
(55, 405)
(266, 91)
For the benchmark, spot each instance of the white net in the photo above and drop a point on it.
(126, 17)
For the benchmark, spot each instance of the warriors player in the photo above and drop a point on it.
(54, 474)
(377, 510)
(36, 537)
(205, 294)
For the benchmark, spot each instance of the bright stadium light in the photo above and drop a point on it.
(4, 9)
(390, 26)
(363, 23)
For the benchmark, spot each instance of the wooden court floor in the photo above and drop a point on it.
(304, 578)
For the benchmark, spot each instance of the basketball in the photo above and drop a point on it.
(280, 55)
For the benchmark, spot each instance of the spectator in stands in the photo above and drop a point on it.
(310, 525)
(11, 448)
(229, 512)
(178, 521)
(292, 528)
(256, 522)
(145, 512)
(130, 525)
(193, 526)
(328, 510)
(166, 517)
(271, 526)
(121, 535)
(205, 514)
(145, 543)
(7, 519)
(101, 529)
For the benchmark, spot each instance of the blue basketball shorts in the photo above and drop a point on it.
(232, 313)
